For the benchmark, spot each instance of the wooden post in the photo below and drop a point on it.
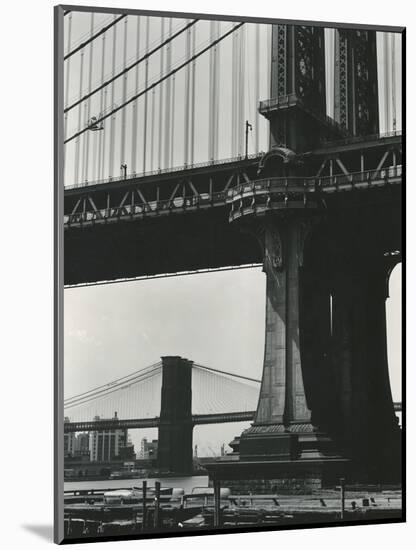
(342, 488)
(144, 503)
(217, 502)
(157, 505)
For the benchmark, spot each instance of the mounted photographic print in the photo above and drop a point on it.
(228, 222)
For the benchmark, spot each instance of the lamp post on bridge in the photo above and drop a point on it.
(248, 127)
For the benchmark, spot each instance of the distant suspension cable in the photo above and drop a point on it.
(233, 375)
(111, 384)
(104, 392)
(165, 77)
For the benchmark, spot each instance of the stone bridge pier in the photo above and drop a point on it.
(366, 427)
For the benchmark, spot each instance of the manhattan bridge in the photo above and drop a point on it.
(195, 145)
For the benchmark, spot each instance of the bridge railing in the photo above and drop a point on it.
(174, 169)
(290, 186)
(366, 178)
(270, 185)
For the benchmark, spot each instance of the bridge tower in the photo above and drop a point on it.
(324, 358)
(284, 427)
(355, 84)
(175, 428)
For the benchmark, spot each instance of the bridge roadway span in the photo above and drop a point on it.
(179, 220)
(136, 423)
(197, 419)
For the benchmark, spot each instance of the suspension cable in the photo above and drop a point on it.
(93, 37)
(165, 77)
(131, 66)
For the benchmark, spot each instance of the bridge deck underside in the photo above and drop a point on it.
(144, 248)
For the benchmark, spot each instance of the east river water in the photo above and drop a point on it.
(186, 483)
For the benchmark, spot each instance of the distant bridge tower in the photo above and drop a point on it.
(175, 428)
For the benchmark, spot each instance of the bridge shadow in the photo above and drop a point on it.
(43, 531)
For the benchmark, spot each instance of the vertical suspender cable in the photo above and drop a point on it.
(217, 89)
(146, 80)
(135, 103)
(269, 59)
(77, 144)
(233, 93)
(211, 94)
(237, 98)
(172, 125)
(159, 137)
(216, 70)
(152, 130)
(241, 92)
(124, 94)
(67, 77)
(386, 81)
(393, 80)
(192, 136)
(113, 117)
(168, 87)
(68, 69)
(269, 69)
(88, 104)
(257, 88)
(103, 107)
(187, 94)
(152, 127)
(100, 134)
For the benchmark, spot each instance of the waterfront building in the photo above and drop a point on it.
(69, 441)
(105, 445)
(148, 449)
(82, 442)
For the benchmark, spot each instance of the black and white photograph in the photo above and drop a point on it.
(228, 203)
